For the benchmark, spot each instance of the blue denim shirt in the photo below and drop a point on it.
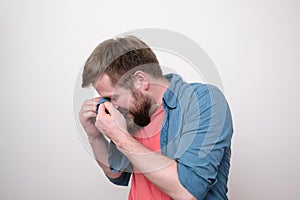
(196, 132)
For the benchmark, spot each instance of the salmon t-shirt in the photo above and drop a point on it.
(149, 136)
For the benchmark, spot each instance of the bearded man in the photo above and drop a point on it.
(170, 137)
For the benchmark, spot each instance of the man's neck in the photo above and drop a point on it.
(158, 88)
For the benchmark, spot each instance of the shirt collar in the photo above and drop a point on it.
(170, 96)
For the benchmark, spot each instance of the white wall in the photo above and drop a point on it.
(254, 44)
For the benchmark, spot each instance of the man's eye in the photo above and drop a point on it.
(114, 98)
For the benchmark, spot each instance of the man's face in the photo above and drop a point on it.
(134, 105)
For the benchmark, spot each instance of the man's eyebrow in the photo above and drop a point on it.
(107, 96)
(114, 96)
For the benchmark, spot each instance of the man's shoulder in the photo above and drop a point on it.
(189, 92)
(204, 88)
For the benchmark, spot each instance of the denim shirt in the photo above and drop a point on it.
(196, 132)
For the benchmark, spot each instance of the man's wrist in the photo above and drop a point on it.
(122, 139)
(93, 139)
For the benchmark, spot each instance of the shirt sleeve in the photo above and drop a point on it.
(119, 162)
(123, 180)
(206, 135)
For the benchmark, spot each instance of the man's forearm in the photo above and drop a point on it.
(100, 150)
(159, 169)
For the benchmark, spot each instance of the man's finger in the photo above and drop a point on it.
(109, 107)
(101, 109)
(96, 99)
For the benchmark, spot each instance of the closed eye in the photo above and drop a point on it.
(114, 98)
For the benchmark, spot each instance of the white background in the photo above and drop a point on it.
(254, 44)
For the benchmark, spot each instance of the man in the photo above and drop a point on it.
(170, 137)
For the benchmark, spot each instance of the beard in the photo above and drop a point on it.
(138, 116)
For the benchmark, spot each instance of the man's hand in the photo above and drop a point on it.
(112, 124)
(87, 117)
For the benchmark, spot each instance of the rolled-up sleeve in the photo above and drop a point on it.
(119, 162)
(123, 180)
(206, 135)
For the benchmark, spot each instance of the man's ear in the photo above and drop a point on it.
(141, 81)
